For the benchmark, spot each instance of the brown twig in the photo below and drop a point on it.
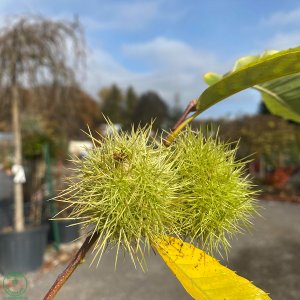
(182, 122)
(75, 262)
(190, 108)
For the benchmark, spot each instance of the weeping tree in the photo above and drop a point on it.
(34, 52)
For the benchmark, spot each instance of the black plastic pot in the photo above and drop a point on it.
(7, 213)
(22, 251)
(6, 218)
(66, 233)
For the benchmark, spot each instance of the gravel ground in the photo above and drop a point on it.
(269, 256)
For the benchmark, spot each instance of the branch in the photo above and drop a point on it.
(182, 122)
(75, 262)
(190, 108)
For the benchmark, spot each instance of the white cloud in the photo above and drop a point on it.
(129, 16)
(283, 40)
(108, 15)
(103, 70)
(123, 16)
(176, 68)
(170, 53)
(285, 29)
(282, 18)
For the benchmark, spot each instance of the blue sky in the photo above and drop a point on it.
(167, 45)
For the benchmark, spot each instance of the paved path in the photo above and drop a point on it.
(270, 257)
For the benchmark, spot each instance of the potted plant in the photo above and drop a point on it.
(33, 50)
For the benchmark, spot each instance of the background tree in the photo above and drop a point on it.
(262, 109)
(131, 100)
(75, 110)
(67, 117)
(175, 111)
(35, 50)
(150, 107)
(271, 141)
(112, 103)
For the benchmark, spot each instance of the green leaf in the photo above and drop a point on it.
(202, 276)
(282, 96)
(211, 78)
(250, 71)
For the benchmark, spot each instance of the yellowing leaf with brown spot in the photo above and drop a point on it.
(203, 276)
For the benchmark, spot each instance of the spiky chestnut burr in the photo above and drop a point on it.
(218, 197)
(126, 190)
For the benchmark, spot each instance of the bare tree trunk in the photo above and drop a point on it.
(18, 187)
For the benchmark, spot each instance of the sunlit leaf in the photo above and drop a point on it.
(248, 72)
(282, 96)
(211, 78)
(203, 276)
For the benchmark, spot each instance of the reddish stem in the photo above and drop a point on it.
(75, 262)
(191, 107)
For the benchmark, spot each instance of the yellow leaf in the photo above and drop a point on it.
(203, 276)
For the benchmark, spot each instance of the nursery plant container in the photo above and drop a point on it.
(5, 213)
(22, 251)
(67, 233)
(6, 192)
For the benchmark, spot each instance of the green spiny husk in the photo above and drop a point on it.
(218, 199)
(126, 190)
(131, 190)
